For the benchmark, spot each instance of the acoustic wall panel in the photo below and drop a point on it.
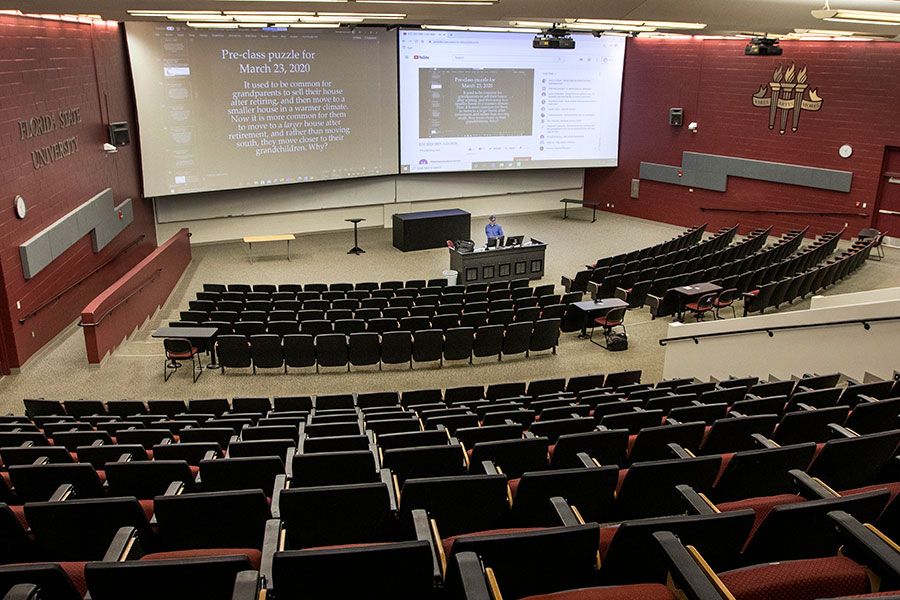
(97, 216)
(711, 172)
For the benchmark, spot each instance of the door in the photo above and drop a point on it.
(887, 217)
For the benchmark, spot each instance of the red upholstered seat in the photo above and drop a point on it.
(762, 506)
(726, 458)
(447, 543)
(819, 447)
(551, 448)
(798, 580)
(641, 591)
(75, 571)
(893, 489)
(751, 293)
(147, 505)
(252, 554)
(622, 474)
(101, 475)
(631, 439)
(513, 487)
(19, 512)
(605, 321)
(5, 476)
(705, 434)
(606, 536)
(181, 354)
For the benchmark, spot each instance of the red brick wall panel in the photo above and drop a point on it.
(713, 81)
(47, 66)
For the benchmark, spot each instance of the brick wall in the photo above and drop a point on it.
(713, 81)
(47, 66)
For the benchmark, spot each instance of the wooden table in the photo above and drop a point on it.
(286, 237)
(567, 201)
(590, 308)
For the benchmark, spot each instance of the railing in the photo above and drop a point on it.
(778, 211)
(866, 323)
(143, 284)
(56, 298)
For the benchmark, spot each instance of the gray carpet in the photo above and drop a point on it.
(135, 369)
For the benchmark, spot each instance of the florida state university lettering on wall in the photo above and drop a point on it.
(788, 96)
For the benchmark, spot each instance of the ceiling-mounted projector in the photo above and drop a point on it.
(556, 38)
(763, 46)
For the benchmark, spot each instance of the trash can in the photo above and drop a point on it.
(451, 276)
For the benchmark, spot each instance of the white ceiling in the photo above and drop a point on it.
(721, 16)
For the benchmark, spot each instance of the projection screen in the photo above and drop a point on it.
(473, 101)
(227, 109)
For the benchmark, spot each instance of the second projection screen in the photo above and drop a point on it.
(472, 101)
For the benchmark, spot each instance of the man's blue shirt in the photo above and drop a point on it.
(493, 231)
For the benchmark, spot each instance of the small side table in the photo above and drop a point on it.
(355, 249)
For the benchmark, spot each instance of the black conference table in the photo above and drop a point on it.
(192, 333)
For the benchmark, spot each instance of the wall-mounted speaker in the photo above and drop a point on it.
(676, 116)
(118, 134)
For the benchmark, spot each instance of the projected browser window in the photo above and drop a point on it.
(225, 109)
(483, 101)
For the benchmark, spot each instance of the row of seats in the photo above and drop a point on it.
(739, 273)
(694, 255)
(682, 245)
(773, 293)
(463, 505)
(269, 350)
(437, 317)
(364, 291)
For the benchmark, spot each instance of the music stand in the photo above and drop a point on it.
(355, 249)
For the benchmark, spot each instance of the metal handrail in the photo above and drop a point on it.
(770, 330)
(80, 281)
(144, 284)
(776, 211)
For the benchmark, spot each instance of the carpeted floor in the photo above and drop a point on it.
(135, 369)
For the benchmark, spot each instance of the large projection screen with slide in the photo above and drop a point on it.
(227, 109)
(474, 101)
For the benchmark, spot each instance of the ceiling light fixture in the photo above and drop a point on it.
(634, 25)
(867, 17)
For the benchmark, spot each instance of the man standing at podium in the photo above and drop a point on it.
(492, 229)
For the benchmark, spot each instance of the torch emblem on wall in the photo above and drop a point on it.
(788, 95)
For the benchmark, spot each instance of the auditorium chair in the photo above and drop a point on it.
(403, 569)
(425, 461)
(396, 348)
(265, 473)
(525, 563)
(844, 574)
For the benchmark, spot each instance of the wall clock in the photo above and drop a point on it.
(845, 151)
(20, 207)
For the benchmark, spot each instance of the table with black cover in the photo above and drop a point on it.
(430, 229)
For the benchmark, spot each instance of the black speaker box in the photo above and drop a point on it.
(676, 116)
(118, 134)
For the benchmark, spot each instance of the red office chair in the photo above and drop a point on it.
(180, 349)
(703, 305)
(613, 318)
